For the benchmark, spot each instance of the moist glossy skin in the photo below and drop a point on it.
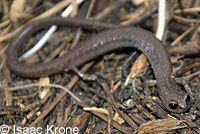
(114, 38)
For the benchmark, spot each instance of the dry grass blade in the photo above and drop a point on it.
(59, 6)
(160, 126)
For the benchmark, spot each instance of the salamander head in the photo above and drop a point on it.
(174, 98)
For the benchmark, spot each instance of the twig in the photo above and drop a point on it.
(41, 85)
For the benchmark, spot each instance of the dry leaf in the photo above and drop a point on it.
(80, 121)
(99, 110)
(137, 2)
(139, 65)
(17, 9)
(160, 126)
(44, 81)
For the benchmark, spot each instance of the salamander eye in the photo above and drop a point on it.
(173, 104)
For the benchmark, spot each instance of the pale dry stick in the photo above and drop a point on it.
(90, 9)
(3, 59)
(7, 79)
(2, 63)
(183, 35)
(133, 16)
(188, 77)
(43, 85)
(107, 10)
(185, 20)
(188, 10)
(5, 23)
(29, 115)
(56, 8)
(10, 35)
(3, 50)
(95, 109)
(139, 15)
(6, 30)
(74, 8)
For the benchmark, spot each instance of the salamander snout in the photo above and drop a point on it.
(175, 99)
(174, 104)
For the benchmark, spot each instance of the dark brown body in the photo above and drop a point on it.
(113, 38)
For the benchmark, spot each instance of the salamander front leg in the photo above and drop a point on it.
(84, 76)
(149, 83)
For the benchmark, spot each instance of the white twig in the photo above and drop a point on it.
(46, 85)
(161, 19)
(52, 29)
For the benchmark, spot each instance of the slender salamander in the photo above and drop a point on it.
(115, 37)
